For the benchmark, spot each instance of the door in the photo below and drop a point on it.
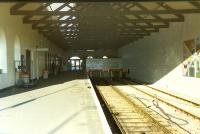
(28, 61)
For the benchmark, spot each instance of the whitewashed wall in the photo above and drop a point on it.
(28, 39)
(158, 58)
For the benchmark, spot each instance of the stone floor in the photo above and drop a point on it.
(59, 105)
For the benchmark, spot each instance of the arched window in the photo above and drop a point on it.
(75, 58)
(17, 52)
(89, 57)
(76, 63)
(3, 52)
(104, 57)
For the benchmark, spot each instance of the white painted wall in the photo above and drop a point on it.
(157, 58)
(28, 39)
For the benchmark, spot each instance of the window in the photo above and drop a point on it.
(17, 52)
(74, 58)
(89, 57)
(76, 63)
(105, 57)
(3, 52)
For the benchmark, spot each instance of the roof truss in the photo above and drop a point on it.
(111, 24)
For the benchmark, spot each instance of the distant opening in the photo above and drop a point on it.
(75, 63)
(17, 52)
(75, 58)
(89, 57)
(3, 52)
(105, 57)
(90, 50)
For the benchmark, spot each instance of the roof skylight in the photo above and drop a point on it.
(65, 17)
(54, 6)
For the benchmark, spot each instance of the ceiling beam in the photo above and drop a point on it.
(17, 6)
(82, 20)
(104, 26)
(105, 13)
(92, 0)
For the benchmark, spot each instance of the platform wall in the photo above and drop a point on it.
(157, 59)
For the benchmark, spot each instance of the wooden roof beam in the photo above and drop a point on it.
(104, 13)
(80, 1)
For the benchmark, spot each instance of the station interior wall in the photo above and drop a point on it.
(16, 32)
(157, 59)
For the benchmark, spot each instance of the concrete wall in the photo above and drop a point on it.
(28, 39)
(157, 58)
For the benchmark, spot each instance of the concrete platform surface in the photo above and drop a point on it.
(65, 108)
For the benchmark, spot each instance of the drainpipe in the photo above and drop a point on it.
(37, 63)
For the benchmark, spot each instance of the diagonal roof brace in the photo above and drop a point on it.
(94, 0)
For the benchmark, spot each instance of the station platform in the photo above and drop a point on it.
(64, 104)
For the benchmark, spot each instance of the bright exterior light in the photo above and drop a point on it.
(65, 9)
(90, 50)
(70, 25)
(62, 25)
(75, 57)
(72, 4)
(65, 17)
(105, 57)
(54, 6)
(89, 57)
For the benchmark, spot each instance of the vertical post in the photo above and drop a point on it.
(111, 74)
(37, 63)
(100, 72)
(195, 60)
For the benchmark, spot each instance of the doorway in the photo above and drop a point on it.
(28, 61)
(75, 63)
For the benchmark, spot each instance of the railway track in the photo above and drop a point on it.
(132, 116)
(166, 93)
(186, 106)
